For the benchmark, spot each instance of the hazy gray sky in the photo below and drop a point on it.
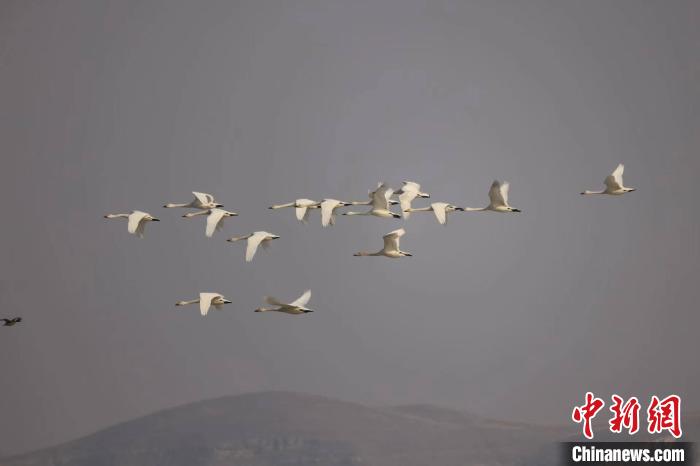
(117, 105)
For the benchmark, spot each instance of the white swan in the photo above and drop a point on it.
(391, 246)
(498, 195)
(613, 184)
(440, 209)
(380, 200)
(137, 221)
(408, 192)
(215, 219)
(328, 208)
(295, 307)
(301, 208)
(201, 201)
(258, 238)
(206, 300)
(370, 195)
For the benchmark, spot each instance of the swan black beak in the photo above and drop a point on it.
(275, 237)
(460, 209)
(517, 210)
(155, 220)
(307, 311)
(226, 301)
(408, 254)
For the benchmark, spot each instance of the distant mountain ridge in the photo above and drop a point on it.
(292, 429)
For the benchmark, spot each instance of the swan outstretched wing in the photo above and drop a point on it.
(273, 301)
(205, 300)
(301, 213)
(614, 180)
(253, 243)
(203, 198)
(391, 240)
(405, 199)
(381, 196)
(410, 186)
(302, 209)
(135, 219)
(327, 212)
(498, 193)
(440, 211)
(213, 221)
(302, 300)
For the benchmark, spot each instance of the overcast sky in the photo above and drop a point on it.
(109, 106)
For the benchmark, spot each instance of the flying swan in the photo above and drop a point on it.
(215, 219)
(294, 308)
(391, 246)
(301, 208)
(258, 238)
(440, 209)
(498, 196)
(202, 201)
(613, 184)
(206, 300)
(137, 221)
(408, 192)
(380, 200)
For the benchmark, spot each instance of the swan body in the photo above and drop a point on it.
(215, 219)
(440, 209)
(408, 192)
(391, 246)
(371, 195)
(295, 307)
(11, 322)
(328, 208)
(613, 184)
(202, 201)
(258, 238)
(301, 208)
(206, 300)
(137, 221)
(380, 201)
(498, 196)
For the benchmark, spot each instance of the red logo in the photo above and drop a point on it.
(587, 412)
(665, 415)
(662, 415)
(624, 415)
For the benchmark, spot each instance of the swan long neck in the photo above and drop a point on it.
(184, 303)
(171, 205)
(419, 209)
(357, 213)
(475, 209)
(194, 214)
(280, 206)
(365, 254)
(265, 309)
(587, 192)
(117, 216)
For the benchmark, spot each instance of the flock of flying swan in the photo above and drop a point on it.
(380, 204)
